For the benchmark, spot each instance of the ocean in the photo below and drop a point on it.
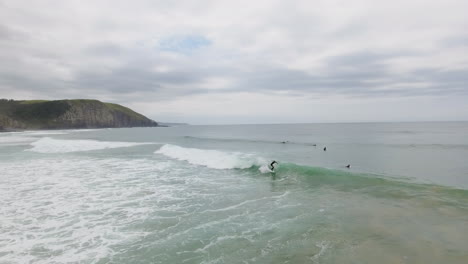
(204, 194)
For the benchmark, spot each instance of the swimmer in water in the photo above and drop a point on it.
(348, 166)
(272, 165)
(325, 149)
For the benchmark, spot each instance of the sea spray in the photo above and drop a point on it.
(50, 145)
(211, 158)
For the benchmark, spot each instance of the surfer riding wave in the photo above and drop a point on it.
(272, 165)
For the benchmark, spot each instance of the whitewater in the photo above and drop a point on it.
(204, 194)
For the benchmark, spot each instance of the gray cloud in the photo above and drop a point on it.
(362, 74)
(104, 49)
(150, 51)
(5, 33)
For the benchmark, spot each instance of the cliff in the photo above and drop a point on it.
(64, 114)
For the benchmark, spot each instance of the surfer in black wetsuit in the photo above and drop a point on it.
(272, 165)
(348, 166)
(325, 149)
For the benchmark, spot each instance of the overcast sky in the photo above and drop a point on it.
(214, 62)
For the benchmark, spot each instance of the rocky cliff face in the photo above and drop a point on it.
(65, 114)
(7, 123)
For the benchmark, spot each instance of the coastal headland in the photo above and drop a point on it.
(67, 114)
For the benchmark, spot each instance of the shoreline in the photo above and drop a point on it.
(9, 130)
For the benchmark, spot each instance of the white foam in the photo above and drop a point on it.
(265, 169)
(15, 140)
(45, 132)
(74, 209)
(50, 145)
(37, 132)
(211, 158)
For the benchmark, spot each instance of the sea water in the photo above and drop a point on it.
(204, 194)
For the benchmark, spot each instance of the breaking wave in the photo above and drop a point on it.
(376, 185)
(15, 140)
(212, 158)
(50, 145)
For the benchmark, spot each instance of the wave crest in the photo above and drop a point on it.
(50, 145)
(214, 159)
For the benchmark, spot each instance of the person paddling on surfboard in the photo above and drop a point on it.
(272, 165)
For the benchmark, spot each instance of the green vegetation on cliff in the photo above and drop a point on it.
(63, 114)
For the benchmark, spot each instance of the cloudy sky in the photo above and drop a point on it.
(215, 62)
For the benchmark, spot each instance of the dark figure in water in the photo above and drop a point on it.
(272, 165)
(325, 149)
(348, 166)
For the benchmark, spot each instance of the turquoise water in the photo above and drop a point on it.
(203, 194)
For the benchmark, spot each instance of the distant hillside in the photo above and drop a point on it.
(63, 114)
